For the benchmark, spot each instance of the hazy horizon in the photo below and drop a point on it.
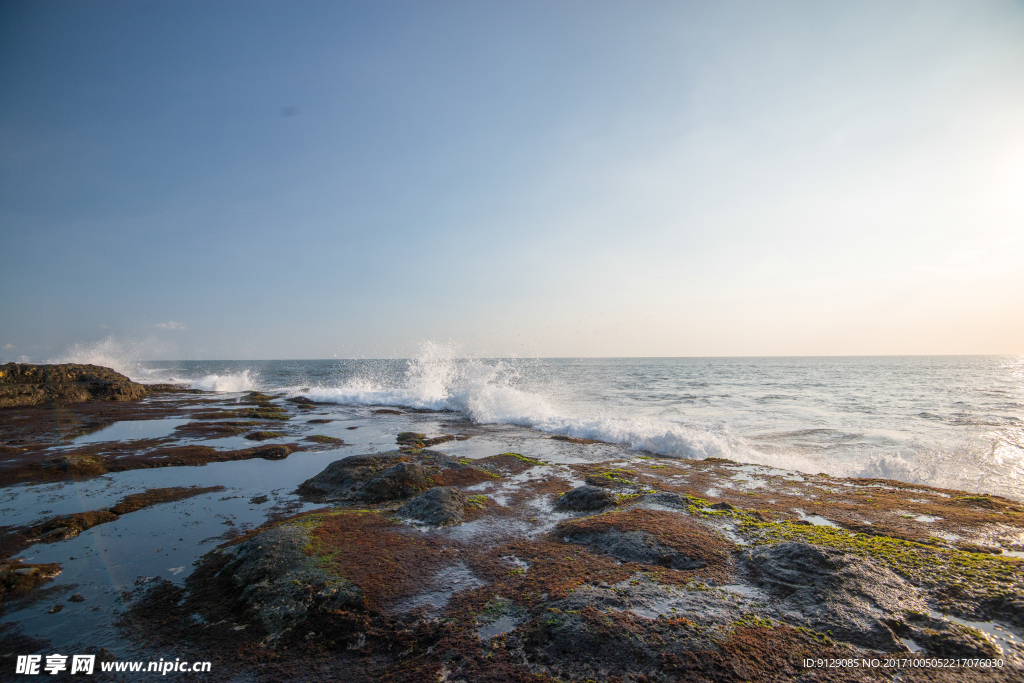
(117, 355)
(571, 180)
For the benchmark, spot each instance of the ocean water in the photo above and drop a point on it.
(952, 421)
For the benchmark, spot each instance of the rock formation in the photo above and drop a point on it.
(33, 385)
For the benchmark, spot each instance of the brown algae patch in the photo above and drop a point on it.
(386, 559)
(323, 439)
(665, 539)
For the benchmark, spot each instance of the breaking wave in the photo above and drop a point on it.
(235, 382)
(486, 392)
(997, 469)
(120, 356)
(127, 358)
(660, 412)
(509, 392)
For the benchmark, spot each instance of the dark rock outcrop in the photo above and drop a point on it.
(263, 435)
(76, 465)
(416, 440)
(281, 585)
(839, 593)
(18, 579)
(677, 501)
(636, 546)
(440, 506)
(372, 478)
(31, 385)
(586, 498)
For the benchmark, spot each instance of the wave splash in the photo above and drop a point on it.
(437, 380)
(491, 393)
(127, 358)
(119, 356)
(998, 469)
(487, 394)
(235, 382)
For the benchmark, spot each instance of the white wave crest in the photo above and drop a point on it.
(997, 469)
(487, 393)
(236, 382)
(437, 380)
(110, 353)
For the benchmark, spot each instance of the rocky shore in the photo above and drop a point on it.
(417, 564)
(509, 568)
(32, 385)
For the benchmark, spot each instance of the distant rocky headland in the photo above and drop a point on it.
(421, 566)
(32, 385)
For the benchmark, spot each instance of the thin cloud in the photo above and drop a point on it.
(8, 347)
(170, 325)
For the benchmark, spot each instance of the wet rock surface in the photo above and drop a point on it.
(76, 467)
(369, 478)
(836, 592)
(586, 498)
(629, 585)
(636, 546)
(439, 506)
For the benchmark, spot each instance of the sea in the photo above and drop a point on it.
(947, 421)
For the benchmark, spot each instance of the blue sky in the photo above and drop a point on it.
(304, 180)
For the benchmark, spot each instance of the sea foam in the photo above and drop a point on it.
(490, 393)
(235, 382)
(485, 392)
(120, 356)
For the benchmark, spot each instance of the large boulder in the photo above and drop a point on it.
(31, 385)
(372, 478)
(586, 498)
(440, 506)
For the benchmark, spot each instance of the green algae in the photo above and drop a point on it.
(520, 456)
(751, 620)
(263, 435)
(973, 499)
(921, 564)
(611, 475)
(263, 414)
(321, 438)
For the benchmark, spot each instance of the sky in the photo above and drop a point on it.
(243, 180)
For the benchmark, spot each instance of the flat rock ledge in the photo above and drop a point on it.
(32, 385)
